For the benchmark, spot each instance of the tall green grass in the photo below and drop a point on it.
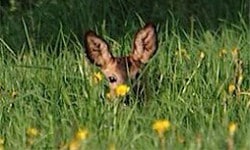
(47, 84)
(53, 91)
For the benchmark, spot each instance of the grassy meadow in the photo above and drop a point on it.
(197, 90)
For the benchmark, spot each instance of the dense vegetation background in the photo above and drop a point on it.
(44, 18)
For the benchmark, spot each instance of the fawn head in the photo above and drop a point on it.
(118, 69)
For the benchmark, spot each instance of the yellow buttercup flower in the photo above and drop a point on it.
(1, 143)
(97, 77)
(235, 52)
(122, 90)
(231, 88)
(76, 142)
(161, 126)
(202, 55)
(112, 146)
(232, 128)
(82, 134)
(32, 132)
(222, 52)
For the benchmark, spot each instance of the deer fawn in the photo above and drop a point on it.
(118, 70)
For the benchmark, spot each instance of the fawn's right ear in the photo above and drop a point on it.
(145, 43)
(97, 50)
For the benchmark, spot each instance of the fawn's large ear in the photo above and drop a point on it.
(145, 43)
(97, 50)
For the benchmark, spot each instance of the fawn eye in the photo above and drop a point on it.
(112, 79)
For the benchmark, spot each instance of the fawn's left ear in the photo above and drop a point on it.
(145, 43)
(97, 49)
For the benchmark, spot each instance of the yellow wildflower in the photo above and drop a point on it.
(235, 52)
(231, 88)
(121, 90)
(1, 141)
(202, 55)
(76, 142)
(97, 77)
(222, 52)
(232, 128)
(74, 145)
(82, 134)
(32, 132)
(1, 147)
(160, 126)
(111, 146)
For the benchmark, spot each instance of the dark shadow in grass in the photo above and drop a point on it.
(115, 18)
